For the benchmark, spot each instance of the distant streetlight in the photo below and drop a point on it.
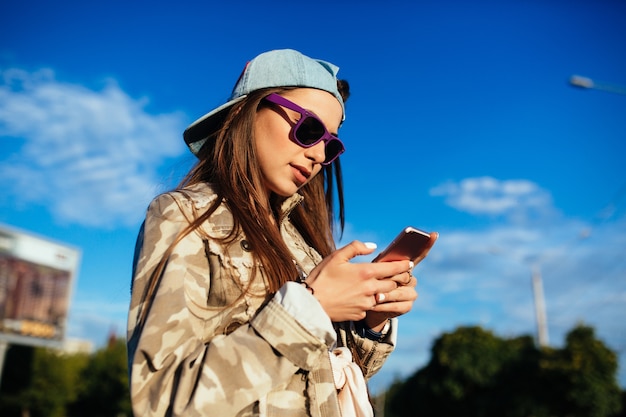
(540, 307)
(588, 83)
(538, 296)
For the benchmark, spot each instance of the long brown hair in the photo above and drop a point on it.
(228, 161)
(230, 164)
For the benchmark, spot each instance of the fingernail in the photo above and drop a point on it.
(380, 298)
(411, 264)
(371, 245)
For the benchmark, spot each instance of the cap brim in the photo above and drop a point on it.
(206, 126)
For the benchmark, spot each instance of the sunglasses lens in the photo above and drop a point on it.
(333, 149)
(310, 131)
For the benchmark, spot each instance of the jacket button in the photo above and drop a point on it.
(245, 245)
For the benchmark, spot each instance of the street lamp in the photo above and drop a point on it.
(587, 83)
(540, 307)
(537, 286)
(538, 299)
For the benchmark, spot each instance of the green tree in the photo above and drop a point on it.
(16, 378)
(103, 391)
(54, 382)
(582, 376)
(466, 370)
(40, 382)
(50, 383)
(473, 373)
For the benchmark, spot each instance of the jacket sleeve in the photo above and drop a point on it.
(178, 366)
(372, 353)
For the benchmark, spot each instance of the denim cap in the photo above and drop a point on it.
(278, 68)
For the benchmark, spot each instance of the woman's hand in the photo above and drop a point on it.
(400, 300)
(395, 303)
(347, 291)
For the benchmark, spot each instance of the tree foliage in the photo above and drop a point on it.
(103, 391)
(473, 373)
(54, 381)
(39, 382)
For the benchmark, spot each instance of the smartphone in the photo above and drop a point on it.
(409, 244)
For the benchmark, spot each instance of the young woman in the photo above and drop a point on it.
(241, 306)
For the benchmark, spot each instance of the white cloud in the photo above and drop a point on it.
(90, 156)
(518, 200)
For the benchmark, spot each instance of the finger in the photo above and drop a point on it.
(408, 279)
(404, 278)
(393, 309)
(395, 303)
(383, 286)
(391, 296)
(356, 248)
(393, 270)
(400, 294)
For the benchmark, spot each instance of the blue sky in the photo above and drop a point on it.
(461, 120)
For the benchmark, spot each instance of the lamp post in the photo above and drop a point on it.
(538, 298)
(540, 307)
(587, 83)
(537, 285)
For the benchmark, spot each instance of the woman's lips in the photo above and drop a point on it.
(301, 174)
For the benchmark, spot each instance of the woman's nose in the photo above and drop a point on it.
(317, 152)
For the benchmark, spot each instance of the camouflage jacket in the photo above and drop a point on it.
(208, 349)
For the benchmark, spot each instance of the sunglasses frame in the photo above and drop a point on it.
(327, 137)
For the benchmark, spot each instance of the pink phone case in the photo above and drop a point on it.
(409, 244)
